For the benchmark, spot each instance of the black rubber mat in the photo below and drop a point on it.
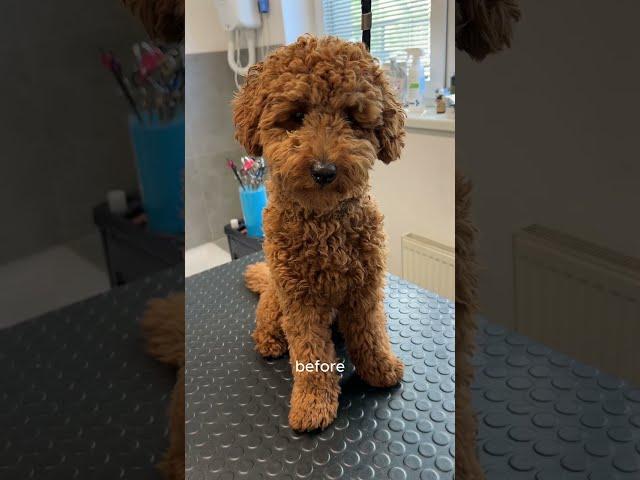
(237, 403)
(78, 396)
(544, 416)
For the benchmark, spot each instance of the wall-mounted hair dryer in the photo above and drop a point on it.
(239, 17)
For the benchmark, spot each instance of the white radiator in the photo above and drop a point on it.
(429, 264)
(579, 299)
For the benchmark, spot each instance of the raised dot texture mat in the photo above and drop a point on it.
(237, 403)
(543, 416)
(79, 398)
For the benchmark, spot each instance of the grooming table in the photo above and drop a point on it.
(237, 403)
(544, 416)
(79, 398)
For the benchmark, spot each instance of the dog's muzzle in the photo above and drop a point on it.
(323, 173)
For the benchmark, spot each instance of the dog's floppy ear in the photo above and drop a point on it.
(247, 108)
(484, 27)
(391, 133)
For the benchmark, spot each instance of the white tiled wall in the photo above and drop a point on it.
(211, 195)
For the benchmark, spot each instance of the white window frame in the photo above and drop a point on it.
(442, 40)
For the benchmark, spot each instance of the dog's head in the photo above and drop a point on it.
(321, 112)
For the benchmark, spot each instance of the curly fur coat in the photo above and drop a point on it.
(483, 27)
(321, 100)
(163, 328)
(162, 19)
(467, 465)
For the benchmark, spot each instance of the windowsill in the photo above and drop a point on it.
(430, 120)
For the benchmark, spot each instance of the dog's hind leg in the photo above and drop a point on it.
(268, 335)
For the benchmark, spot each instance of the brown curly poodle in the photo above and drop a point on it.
(163, 328)
(321, 112)
(482, 28)
(467, 464)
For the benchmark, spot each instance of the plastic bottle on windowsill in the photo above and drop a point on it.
(415, 81)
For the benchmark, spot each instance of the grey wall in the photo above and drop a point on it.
(211, 190)
(548, 133)
(63, 132)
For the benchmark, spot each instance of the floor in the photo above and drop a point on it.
(71, 272)
(206, 256)
(50, 279)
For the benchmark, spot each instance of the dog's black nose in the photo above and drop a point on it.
(323, 173)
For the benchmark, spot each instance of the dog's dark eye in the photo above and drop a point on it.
(349, 115)
(296, 121)
(292, 121)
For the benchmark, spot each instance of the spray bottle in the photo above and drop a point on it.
(416, 82)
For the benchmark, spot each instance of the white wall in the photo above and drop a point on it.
(299, 17)
(548, 133)
(416, 193)
(204, 32)
(451, 41)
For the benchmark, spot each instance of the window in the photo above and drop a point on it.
(396, 26)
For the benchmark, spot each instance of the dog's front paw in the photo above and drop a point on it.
(382, 372)
(312, 410)
(271, 347)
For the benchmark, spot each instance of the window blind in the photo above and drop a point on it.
(397, 25)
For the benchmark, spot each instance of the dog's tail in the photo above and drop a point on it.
(163, 328)
(256, 277)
